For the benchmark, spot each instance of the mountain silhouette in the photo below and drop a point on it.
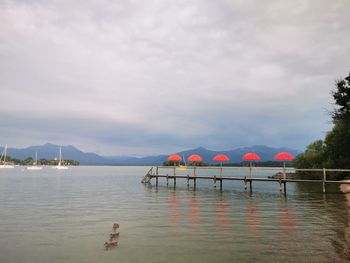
(50, 151)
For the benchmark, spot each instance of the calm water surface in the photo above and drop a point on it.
(66, 216)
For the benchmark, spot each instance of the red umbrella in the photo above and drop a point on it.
(221, 158)
(284, 156)
(194, 158)
(174, 158)
(251, 157)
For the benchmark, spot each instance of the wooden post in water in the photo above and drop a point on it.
(194, 183)
(214, 179)
(250, 184)
(157, 170)
(245, 182)
(324, 180)
(174, 181)
(285, 186)
(188, 180)
(157, 181)
(194, 170)
(167, 180)
(220, 184)
(250, 169)
(280, 185)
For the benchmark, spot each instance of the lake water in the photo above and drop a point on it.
(67, 215)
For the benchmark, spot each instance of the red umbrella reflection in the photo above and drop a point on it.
(174, 209)
(194, 211)
(251, 157)
(222, 210)
(288, 221)
(253, 220)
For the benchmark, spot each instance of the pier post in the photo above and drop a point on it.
(188, 180)
(157, 170)
(157, 181)
(251, 184)
(245, 182)
(214, 179)
(220, 184)
(324, 180)
(285, 186)
(167, 180)
(194, 183)
(174, 181)
(280, 185)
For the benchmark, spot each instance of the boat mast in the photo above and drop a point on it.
(5, 150)
(60, 156)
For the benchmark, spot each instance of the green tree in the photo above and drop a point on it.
(338, 139)
(334, 151)
(341, 97)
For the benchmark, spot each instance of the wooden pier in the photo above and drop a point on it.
(216, 174)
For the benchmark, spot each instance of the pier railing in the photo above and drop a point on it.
(220, 174)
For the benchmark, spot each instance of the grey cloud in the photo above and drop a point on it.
(170, 74)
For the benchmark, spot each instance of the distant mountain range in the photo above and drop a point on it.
(50, 151)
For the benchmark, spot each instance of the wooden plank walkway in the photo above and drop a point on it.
(154, 173)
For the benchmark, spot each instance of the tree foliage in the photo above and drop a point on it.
(334, 150)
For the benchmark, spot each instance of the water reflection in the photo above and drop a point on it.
(174, 203)
(253, 220)
(287, 221)
(222, 210)
(194, 210)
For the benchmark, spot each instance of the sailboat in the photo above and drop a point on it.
(35, 166)
(182, 167)
(60, 166)
(3, 163)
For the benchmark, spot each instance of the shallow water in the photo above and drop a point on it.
(66, 216)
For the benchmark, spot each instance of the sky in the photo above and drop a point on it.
(149, 77)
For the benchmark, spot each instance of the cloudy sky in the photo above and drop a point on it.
(157, 76)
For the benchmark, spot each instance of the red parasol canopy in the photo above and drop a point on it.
(174, 158)
(194, 158)
(284, 156)
(251, 157)
(221, 158)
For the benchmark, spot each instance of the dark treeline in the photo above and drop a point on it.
(31, 161)
(334, 150)
(261, 164)
(172, 163)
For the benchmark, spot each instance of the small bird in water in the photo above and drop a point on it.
(113, 236)
(110, 245)
(115, 227)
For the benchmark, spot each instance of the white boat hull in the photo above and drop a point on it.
(34, 168)
(60, 167)
(6, 166)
